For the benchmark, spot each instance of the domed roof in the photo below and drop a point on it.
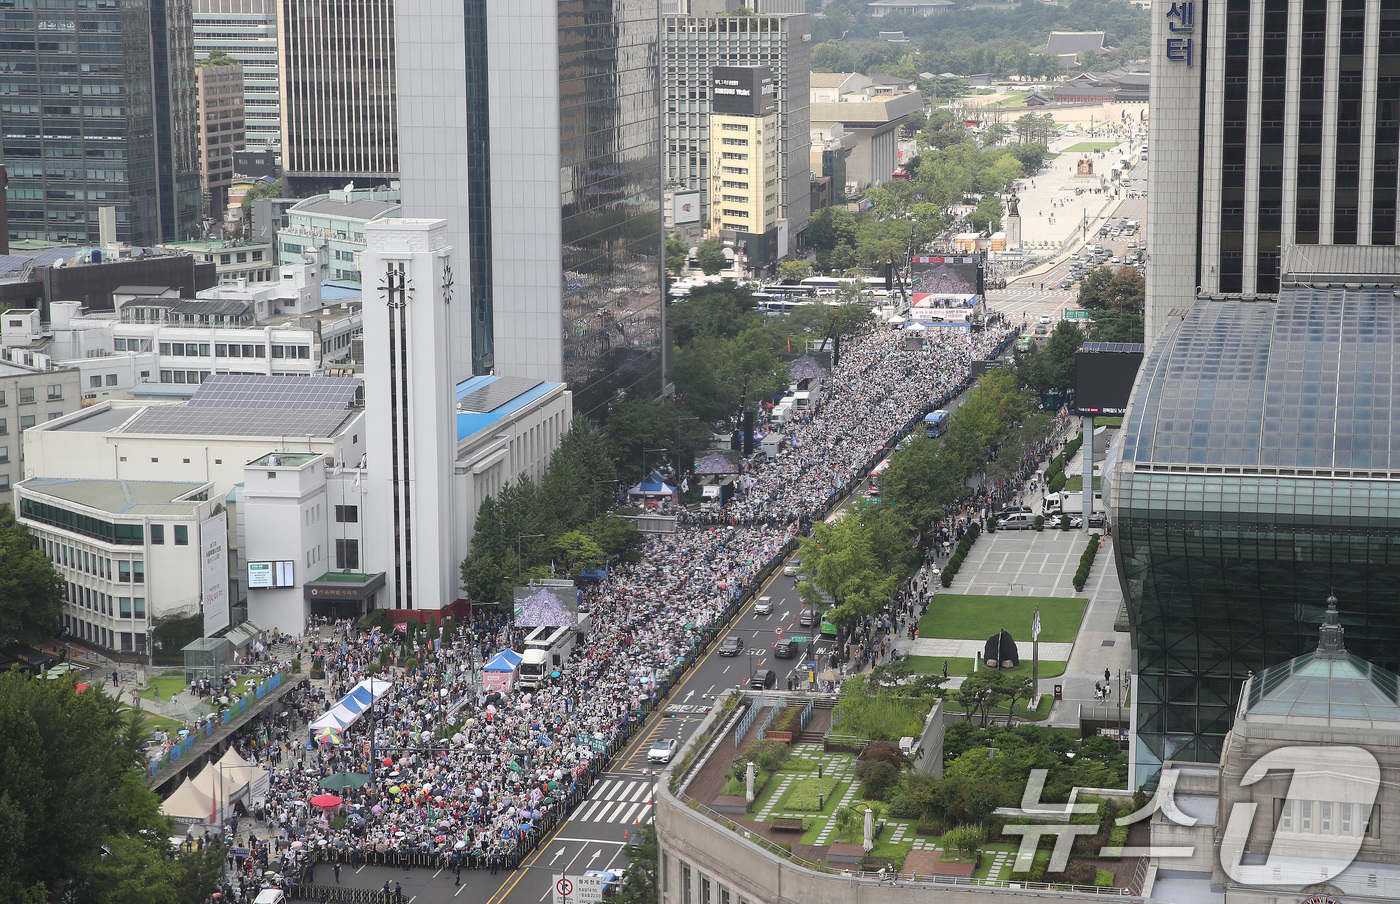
(1328, 683)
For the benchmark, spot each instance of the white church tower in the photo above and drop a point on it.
(410, 412)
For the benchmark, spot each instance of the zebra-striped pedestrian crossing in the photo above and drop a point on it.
(616, 801)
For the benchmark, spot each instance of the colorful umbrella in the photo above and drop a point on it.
(328, 735)
(326, 801)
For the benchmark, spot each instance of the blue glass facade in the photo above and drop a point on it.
(1257, 475)
(99, 110)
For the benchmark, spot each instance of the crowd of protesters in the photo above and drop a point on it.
(464, 778)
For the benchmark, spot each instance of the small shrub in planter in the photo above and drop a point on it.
(1064, 522)
(1103, 878)
(296, 665)
(1040, 522)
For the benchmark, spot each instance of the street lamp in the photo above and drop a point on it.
(596, 484)
(519, 560)
(644, 459)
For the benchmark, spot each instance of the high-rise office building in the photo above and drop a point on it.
(220, 93)
(693, 46)
(1258, 468)
(1273, 122)
(744, 174)
(336, 80)
(247, 31)
(531, 127)
(99, 111)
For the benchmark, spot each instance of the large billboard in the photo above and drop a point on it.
(945, 276)
(742, 90)
(213, 543)
(547, 603)
(1104, 373)
(686, 207)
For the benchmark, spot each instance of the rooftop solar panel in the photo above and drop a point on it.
(228, 421)
(496, 393)
(262, 391)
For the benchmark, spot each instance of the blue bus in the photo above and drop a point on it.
(936, 423)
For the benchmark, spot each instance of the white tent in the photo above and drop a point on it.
(254, 777)
(350, 707)
(189, 805)
(222, 787)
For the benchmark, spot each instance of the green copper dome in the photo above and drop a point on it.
(1328, 683)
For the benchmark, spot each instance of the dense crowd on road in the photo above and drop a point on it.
(511, 765)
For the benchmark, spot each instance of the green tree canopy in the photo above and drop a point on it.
(31, 589)
(73, 806)
(709, 256)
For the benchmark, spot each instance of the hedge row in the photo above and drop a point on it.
(960, 553)
(1086, 561)
(1055, 474)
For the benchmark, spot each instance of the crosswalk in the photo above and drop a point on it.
(617, 801)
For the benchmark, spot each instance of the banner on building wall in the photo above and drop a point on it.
(213, 542)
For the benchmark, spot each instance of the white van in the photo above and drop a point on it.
(1017, 521)
(271, 896)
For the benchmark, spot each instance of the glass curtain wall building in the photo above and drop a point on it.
(547, 170)
(111, 123)
(1257, 475)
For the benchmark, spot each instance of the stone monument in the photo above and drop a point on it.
(1012, 222)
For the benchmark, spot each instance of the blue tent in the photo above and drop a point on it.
(653, 488)
(504, 661)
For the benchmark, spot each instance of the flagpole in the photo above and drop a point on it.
(1035, 653)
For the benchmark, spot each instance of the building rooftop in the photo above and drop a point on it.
(1310, 382)
(175, 420)
(355, 209)
(482, 401)
(120, 497)
(1075, 42)
(100, 421)
(285, 459)
(194, 307)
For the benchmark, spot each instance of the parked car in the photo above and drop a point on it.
(662, 750)
(732, 645)
(1012, 510)
(1018, 521)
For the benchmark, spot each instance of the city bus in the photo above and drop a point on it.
(829, 285)
(875, 475)
(936, 423)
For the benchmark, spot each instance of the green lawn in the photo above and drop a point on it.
(1075, 484)
(1040, 713)
(1016, 100)
(168, 688)
(958, 617)
(151, 722)
(933, 665)
(1089, 147)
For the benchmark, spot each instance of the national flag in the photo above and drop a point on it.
(1035, 625)
(401, 627)
(685, 485)
(789, 345)
(339, 462)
